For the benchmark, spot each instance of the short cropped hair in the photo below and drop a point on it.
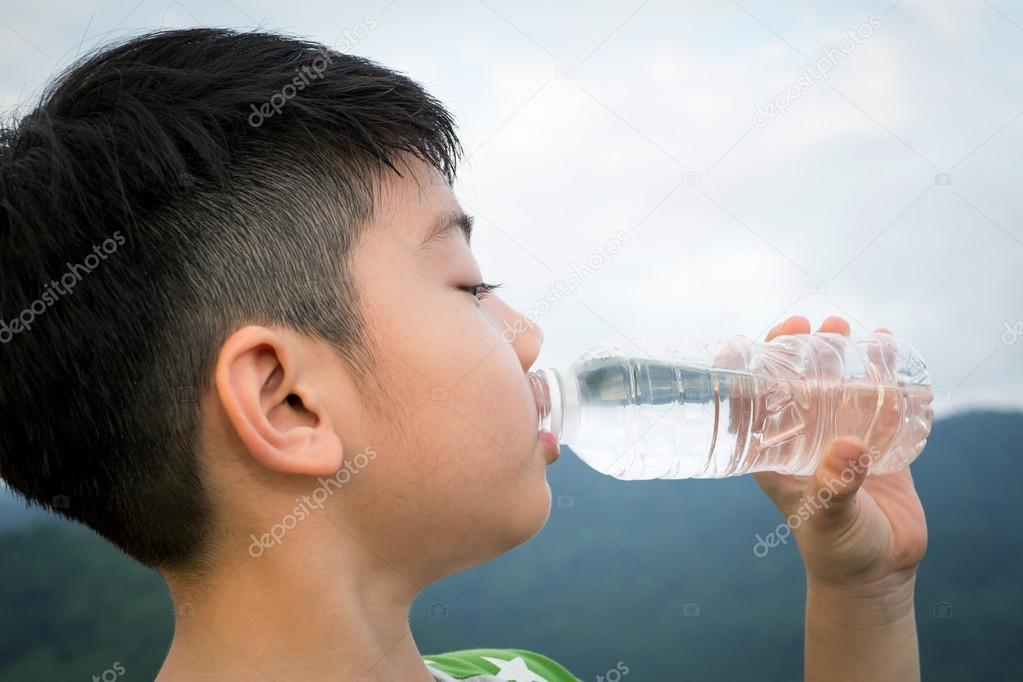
(165, 192)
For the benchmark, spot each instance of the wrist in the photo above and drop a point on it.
(860, 631)
(879, 602)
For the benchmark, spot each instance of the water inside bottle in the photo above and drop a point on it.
(650, 419)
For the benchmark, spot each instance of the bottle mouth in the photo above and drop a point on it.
(548, 397)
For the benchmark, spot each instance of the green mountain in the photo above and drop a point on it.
(659, 576)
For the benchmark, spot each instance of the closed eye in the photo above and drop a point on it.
(481, 290)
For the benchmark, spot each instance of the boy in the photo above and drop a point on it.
(244, 336)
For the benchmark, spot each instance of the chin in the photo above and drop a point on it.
(535, 515)
(516, 531)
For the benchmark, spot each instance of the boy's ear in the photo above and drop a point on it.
(268, 395)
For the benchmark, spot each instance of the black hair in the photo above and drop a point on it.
(165, 192)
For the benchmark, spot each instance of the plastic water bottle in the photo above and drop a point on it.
(739, 407)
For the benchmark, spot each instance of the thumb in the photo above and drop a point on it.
(839, 475)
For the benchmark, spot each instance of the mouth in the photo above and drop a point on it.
(551, 447)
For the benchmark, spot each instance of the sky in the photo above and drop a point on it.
(694, 170)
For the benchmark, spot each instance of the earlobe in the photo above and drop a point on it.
(271, 404)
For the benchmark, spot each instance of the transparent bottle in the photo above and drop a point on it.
(740, 406)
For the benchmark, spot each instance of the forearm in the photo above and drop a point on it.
(861, 637)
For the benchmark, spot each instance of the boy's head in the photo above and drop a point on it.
(239, 307)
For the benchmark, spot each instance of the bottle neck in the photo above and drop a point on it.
(553, 402)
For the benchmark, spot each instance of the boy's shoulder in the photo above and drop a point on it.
(486, 665)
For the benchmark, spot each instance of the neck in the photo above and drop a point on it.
(297, 612)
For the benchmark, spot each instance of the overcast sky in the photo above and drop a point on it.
(760, 162)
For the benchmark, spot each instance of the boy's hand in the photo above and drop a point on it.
(871, 535)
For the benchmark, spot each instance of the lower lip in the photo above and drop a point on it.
(550, 444)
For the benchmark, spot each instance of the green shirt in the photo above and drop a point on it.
(496, 665)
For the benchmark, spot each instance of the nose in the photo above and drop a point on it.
(524, 335)
(527, 344)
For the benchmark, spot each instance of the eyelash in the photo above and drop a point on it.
(481, 290)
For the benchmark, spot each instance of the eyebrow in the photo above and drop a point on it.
(447, 223)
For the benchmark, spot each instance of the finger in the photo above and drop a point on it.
(835, 325)
(882, 351)
(830, 350)
(797, 324)
(732, 356)
(839, 476)
(888, 347)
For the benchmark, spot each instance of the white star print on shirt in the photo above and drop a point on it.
(514, 670)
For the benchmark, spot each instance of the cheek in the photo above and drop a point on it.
(471, 421)
(460, 401)
(495, 397)
(480, 421)
(459, 448)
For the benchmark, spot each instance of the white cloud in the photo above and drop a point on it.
(591, 155)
